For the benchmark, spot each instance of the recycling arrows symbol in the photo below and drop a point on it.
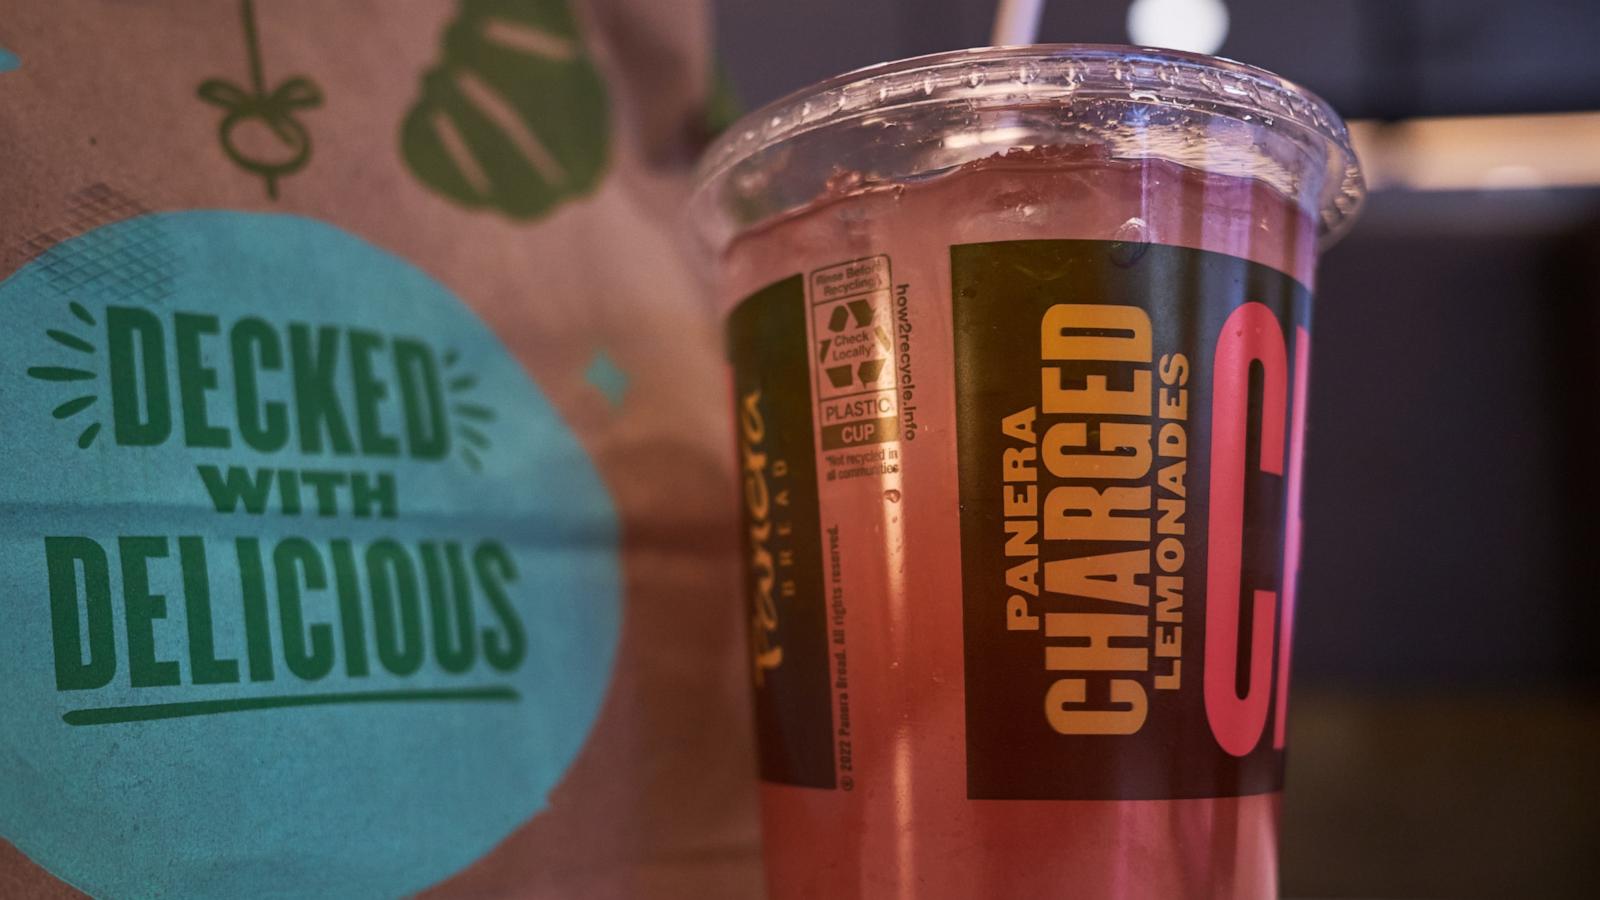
(857, 314)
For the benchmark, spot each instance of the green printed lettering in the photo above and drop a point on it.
(308, 652)
(264, 426)
(316, 402)
(238, 487)
(370, 392)
(195, 378)
(289, 491)
(257, 627)
(350, 621)
(326, 484)
(427, 428)
(204, 666)
(450, 605)
(143, 609)
(367, 492)
(394, 596)
(504, 649)
(138, 364)
(63, 557)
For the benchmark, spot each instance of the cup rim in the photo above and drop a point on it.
(986, 78)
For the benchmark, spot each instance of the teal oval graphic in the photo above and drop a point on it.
(308, 590)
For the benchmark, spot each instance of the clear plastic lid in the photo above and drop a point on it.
(916, 118)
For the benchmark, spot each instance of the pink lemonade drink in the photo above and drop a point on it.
(1019, 342)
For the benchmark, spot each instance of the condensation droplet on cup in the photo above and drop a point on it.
(892, 495)
(975, 79)
(1131, 242)
(1027, 72)
(842, 181)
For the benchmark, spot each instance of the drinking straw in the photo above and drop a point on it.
(1016, 22)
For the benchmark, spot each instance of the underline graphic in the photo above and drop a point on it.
(111, 715)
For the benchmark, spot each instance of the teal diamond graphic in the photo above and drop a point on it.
(607, 378)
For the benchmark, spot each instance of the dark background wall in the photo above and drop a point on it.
(1448, 482)
(1446, 719)
(1371, 58)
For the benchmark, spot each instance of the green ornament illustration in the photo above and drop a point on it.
(514, 116)
(275, 109)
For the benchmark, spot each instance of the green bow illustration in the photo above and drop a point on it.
(276, 110)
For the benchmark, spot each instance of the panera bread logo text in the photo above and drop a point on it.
(360, 594)
(760, 500)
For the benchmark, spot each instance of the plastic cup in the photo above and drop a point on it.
(1019, 341)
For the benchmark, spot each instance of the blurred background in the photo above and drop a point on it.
(1446, 719)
